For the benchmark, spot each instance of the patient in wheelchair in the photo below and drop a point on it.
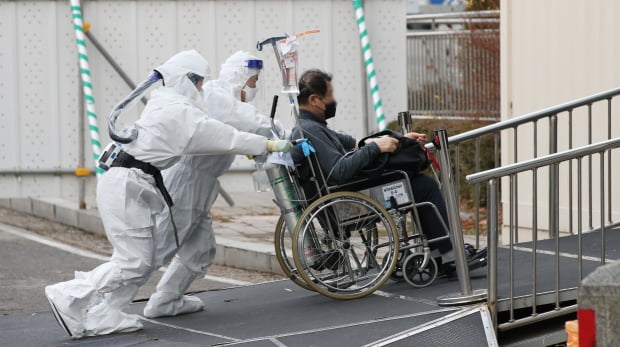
(340, 160)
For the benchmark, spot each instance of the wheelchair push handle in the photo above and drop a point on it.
(272, 116)
(274, 106)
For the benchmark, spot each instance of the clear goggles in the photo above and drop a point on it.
(195, 78)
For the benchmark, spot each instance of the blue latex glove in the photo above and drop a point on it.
(306, 147)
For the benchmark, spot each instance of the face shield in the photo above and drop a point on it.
(251, 69)
(238, 69)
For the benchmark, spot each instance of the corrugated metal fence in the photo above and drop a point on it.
(453, 65)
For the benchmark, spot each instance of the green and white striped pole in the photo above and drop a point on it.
(370, 68)
(89, 99)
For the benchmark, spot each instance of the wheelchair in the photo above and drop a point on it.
(346, 241)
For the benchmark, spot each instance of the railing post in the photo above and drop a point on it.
(466, 296)
(492, 236)
(554, 192)
(602, 203)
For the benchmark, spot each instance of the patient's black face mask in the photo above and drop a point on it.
(330, 109)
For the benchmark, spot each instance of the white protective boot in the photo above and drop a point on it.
(69, 302)
(107, 317)
(169, 298)
(91, 304)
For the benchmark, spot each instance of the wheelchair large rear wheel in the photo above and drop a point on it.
(345, 245)
(282, 241)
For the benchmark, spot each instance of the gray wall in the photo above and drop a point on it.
(39, 90)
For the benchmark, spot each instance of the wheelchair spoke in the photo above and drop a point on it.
(345, 245)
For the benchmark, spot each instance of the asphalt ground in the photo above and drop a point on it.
(30, 262)
(36, 252)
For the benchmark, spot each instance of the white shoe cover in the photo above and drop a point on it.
(169, 298)
(164, 305)
(81, 310)
(103, 319)
(70, 310)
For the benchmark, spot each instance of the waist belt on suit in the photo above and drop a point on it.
(126, 160)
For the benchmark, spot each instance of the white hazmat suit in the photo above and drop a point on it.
(173, 124)
(193, 184)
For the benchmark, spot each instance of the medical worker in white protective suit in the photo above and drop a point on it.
(193, 183)
(172, 124)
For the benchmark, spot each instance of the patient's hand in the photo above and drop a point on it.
(416, 136)
(387, 144)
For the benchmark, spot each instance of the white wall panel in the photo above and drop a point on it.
(37, 119)
(67, 89)
(389, 53)
(192, 28)
(110, 23)
(40, 89)
(65, 95)
(9, 117)
(347, 65)
(553, 52)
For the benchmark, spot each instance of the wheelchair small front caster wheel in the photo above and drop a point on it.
(417, 276)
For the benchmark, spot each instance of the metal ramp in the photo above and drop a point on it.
(273, 314)
(467, 327)
(568, 280)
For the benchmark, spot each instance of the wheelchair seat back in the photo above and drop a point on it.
(381, 187)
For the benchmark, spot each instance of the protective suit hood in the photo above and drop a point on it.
(182, 63)
(174, 74)
(236, 71)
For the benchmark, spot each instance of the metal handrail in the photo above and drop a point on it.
(546, 160)
(493, 176)
(554, 160)
(453, 15)
(529, 117)
(440, 33)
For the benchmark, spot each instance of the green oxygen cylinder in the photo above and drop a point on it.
(285, 193)
(289, 201)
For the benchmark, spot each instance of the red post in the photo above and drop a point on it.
(587, 327)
